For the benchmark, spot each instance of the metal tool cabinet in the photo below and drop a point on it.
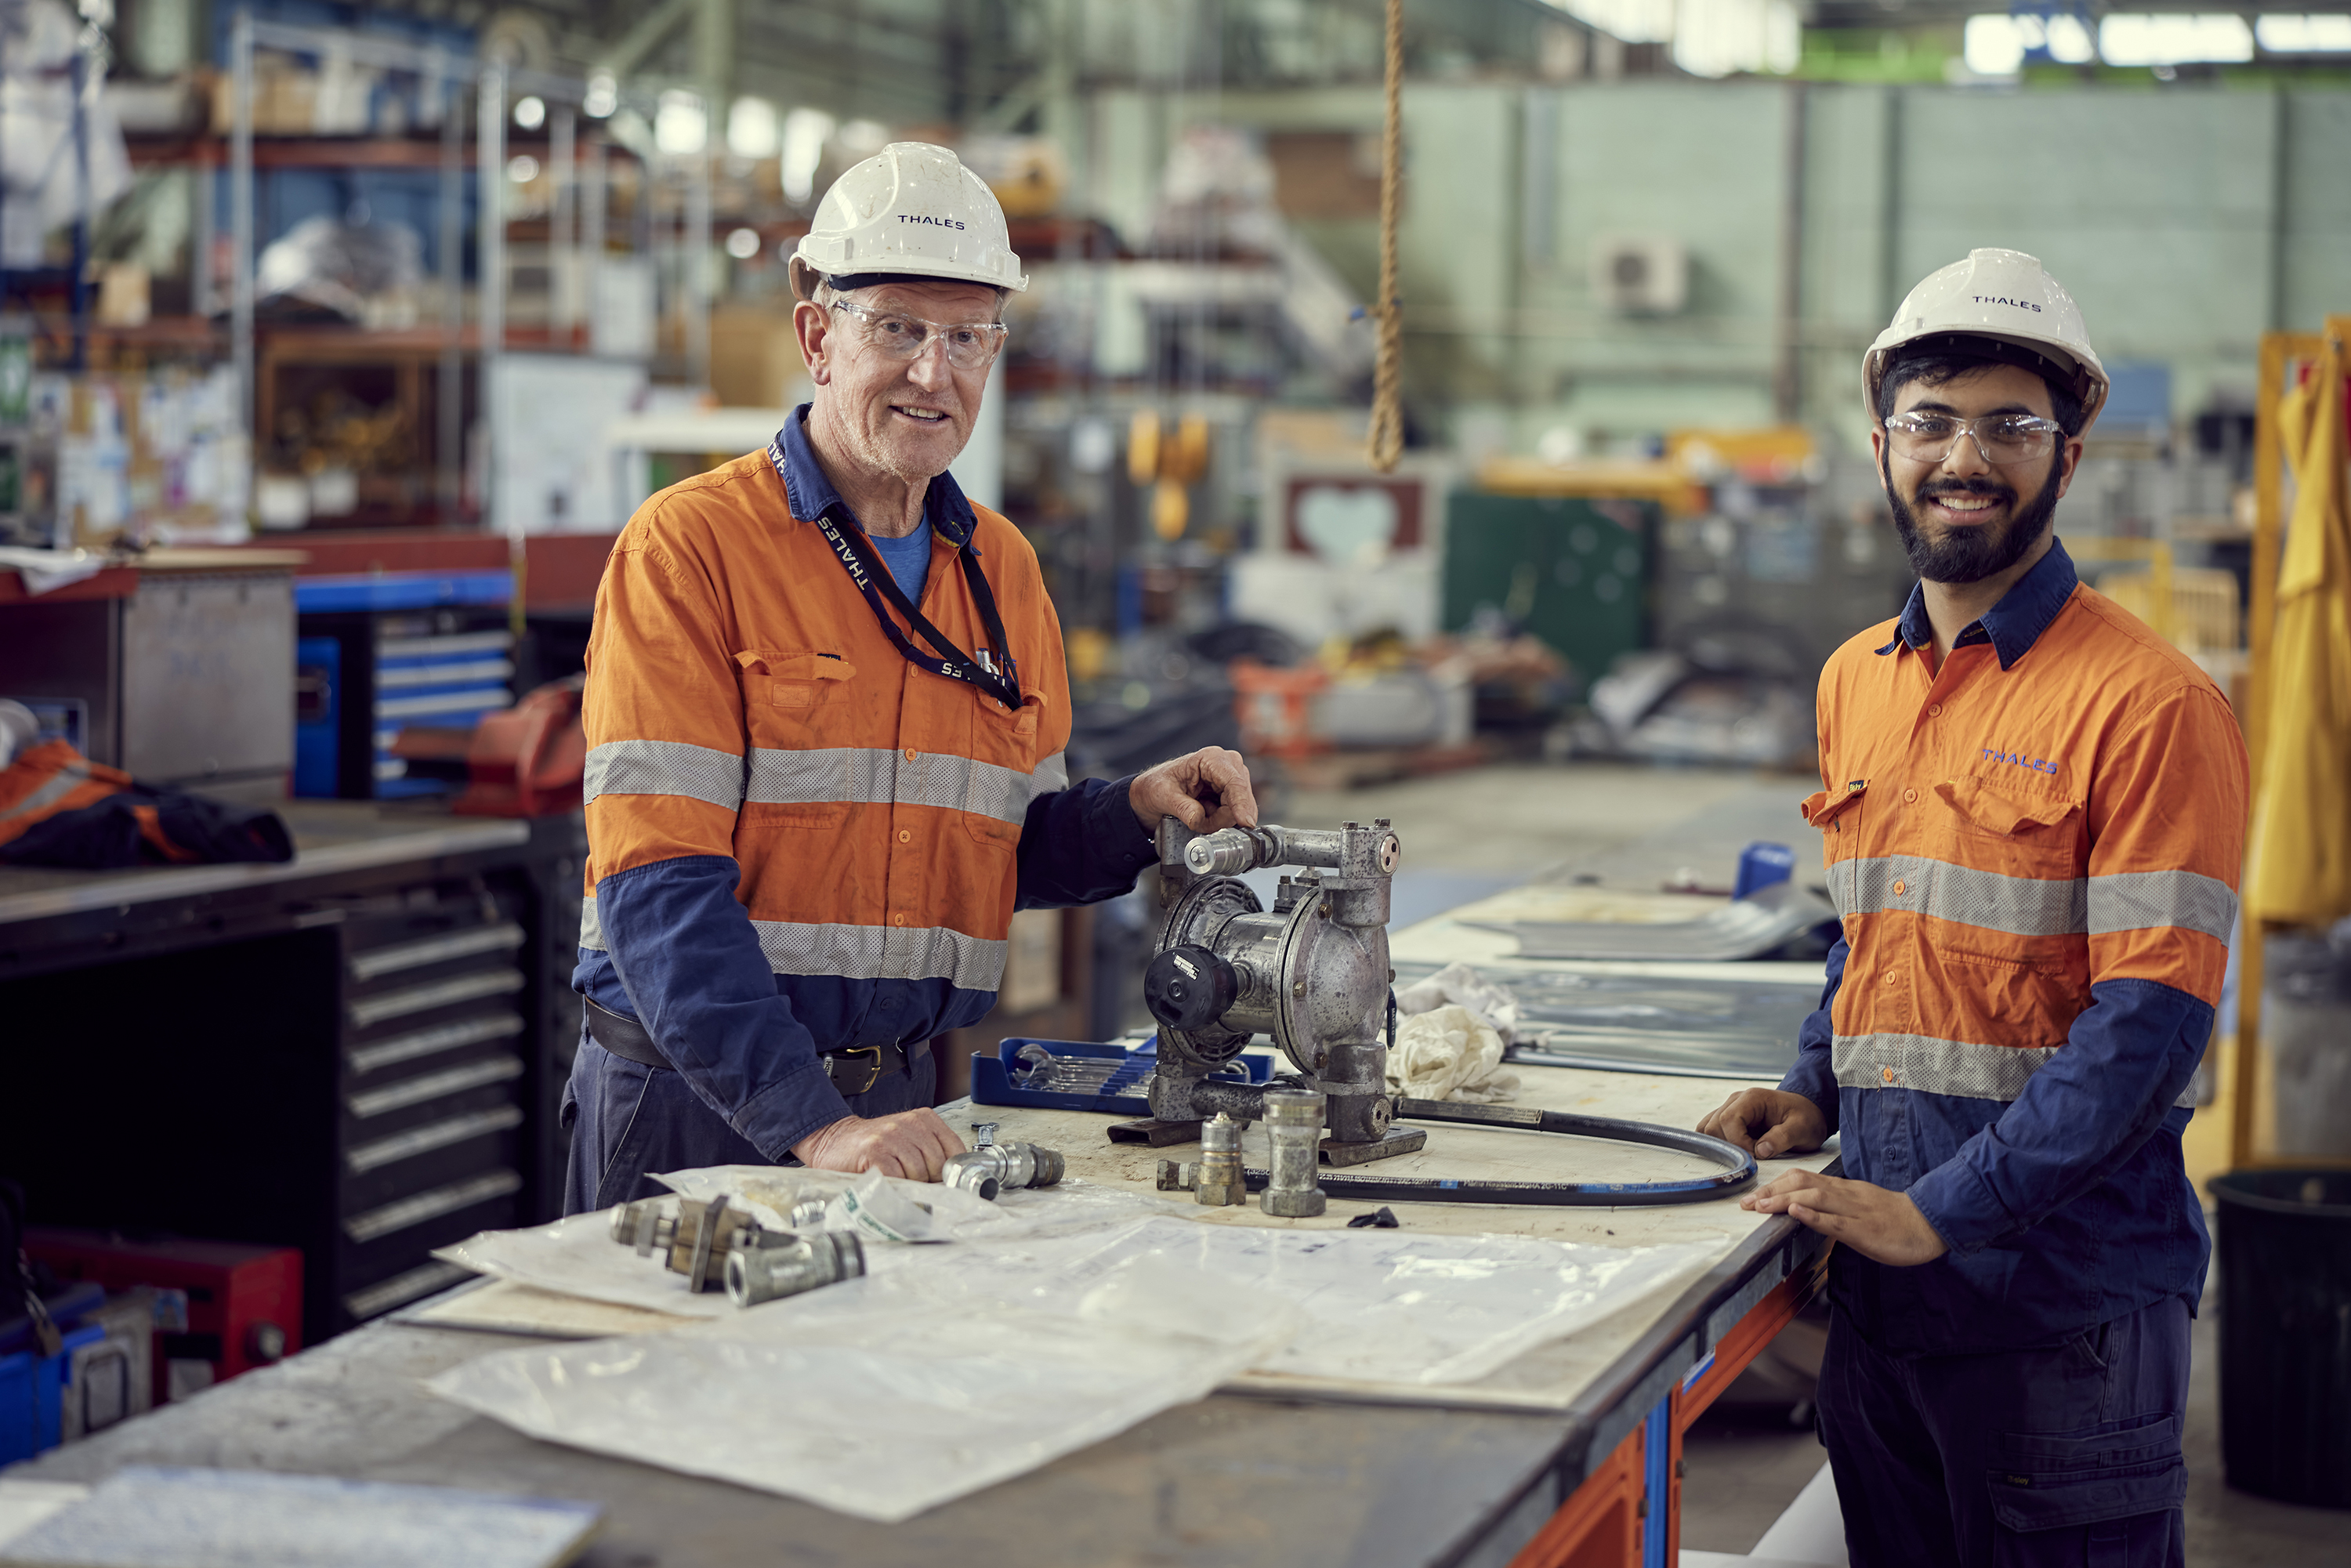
(357, 1054)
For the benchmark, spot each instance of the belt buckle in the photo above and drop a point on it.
(873, 1077)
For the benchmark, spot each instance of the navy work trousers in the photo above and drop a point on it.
(628, 1120)
(2027, 1458)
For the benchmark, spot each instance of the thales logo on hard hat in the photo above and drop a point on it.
(2013, 303)
(925, 219)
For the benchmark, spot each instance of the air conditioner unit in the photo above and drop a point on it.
(1640, 275)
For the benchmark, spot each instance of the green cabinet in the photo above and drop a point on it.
(1575, 572)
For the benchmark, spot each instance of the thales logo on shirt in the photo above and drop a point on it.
(2018, 758)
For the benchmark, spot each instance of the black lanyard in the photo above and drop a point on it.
(883, 594)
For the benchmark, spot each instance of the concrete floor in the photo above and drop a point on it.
(1466, 834)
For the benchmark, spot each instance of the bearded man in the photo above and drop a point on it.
(2032, 817)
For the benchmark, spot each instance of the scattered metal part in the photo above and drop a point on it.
(989, 1169)
(1293, 1121)
(1220, 1182)
(1381, 1219)
(1157, 1134)
(1398, 1141)
(1312, 972)
(694, 1243)
(983, 1135)
(1180, 1176)
(769, 1264)
(807, 1214)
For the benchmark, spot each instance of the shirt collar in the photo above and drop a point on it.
(2010, 626)
(810, 494)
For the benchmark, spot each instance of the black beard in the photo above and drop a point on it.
(1970, 555)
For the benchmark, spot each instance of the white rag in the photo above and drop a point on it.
(1450, 1054)
(1459, 983)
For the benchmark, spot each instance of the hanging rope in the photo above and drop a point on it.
(1388, 373)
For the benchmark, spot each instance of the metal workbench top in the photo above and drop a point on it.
(330, 837)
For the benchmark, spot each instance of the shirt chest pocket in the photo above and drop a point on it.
(1988, 827)
(801, 716)
(1004, 752)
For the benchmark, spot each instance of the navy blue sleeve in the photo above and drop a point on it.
(2125, 1060)
(1814, 1074)
(1081, 845)
(691, 962)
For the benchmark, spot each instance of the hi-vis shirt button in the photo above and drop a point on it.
(897, 919)
(1900, 888)
(1934, 710)
(905, 837)
(910, 753)
(1889, 1073)
(1908, 796)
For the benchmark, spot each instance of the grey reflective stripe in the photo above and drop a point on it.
(64, 782)
(1937, 1066)
(1050, 775)
(2021, 906)
(862, 776)
(883, 953)
(2144, 900)
(1953, 1067)
(664, 767)
(859, 952)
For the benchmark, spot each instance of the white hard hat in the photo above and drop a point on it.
(911, 209)
(1996, 300)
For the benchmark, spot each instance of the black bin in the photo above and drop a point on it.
(2285, 1334)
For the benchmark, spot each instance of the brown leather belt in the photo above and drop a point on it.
(854, 1068)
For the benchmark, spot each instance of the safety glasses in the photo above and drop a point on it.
(2002, 438)
(970, 345)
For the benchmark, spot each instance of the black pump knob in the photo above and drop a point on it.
(1188, 988)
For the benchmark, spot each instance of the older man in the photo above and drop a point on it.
(826, 711)
(2034, 817)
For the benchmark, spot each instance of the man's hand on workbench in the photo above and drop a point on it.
(1207, 791)
(915, 1145)
(1767, 1122)
(1885, 1227)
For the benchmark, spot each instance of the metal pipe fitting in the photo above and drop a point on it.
(766, 1265)
(1220, 1183)
(988, 1170)
(1293, 1121)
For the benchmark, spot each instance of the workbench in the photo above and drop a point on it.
(1569, 1455)
(1575, 1463)
(356, 1052)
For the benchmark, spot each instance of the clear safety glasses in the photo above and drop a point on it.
(970, 345)
(2002, 438)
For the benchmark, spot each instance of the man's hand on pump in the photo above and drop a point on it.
(1207, 791)
(915, 1145)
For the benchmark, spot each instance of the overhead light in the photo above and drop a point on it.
(604, 95)
(2069, 42)
(806, 130)
(1994, 46)
(752, 129)
(680, 127)
(2323, 34)
(2173, 39)
(743, 244)
(522, 168)
(531, 113)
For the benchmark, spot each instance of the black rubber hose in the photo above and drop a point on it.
(1739, 1165)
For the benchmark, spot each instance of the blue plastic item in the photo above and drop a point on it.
(32, 1395)
(66, 1304)
(1761, 864)
(400, 591)
(17, 1423)
(992, 1082)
